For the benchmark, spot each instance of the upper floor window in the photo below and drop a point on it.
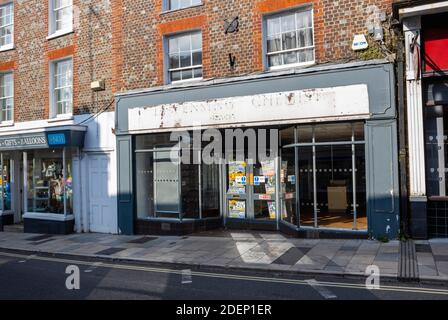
(6, 97)
(185, 56)
(61, 16)
(62, 87)
(290, 39)
(6, 26)
(179, 4)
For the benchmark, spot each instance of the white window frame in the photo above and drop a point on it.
(7, 121)
(8, 46)
(167, 5)
(53, 102)
(52, 20)
(265, 41)
(192, 67)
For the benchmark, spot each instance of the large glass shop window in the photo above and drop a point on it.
(169, 188)
(5, 182)
(329, 183)
(436, 141)
(50, 181)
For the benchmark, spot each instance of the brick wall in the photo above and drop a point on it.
(144, 25)
(121, 41)
(90, 45)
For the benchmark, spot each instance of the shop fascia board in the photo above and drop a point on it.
(425, 9)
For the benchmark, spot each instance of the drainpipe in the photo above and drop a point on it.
(402, 129)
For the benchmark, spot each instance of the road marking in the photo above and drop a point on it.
(186, 276)
(324, 292)
(27, 258)
(232, 276)
(93, 267)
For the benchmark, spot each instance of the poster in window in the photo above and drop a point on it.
(237, 209)
(237, 177)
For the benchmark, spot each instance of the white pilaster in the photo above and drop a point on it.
(416, 143)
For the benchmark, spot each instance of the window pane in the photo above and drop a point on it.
(304, 19)
(289, 40)
(306, 55)
(290, 57)
(195, 2)
(185, 3)
(306, 190)
(334, 186)
(185, 59)
(333, 132)
(174, 62)
(175, 76)
(197, 58)
(46, 182)
(274, 44)
(196, 41)
(144, 185)
(190, 189)
(288, 23)
(184, 43)
(275, 60)
(173, 45)
(187, 74)
(197, 73)
(174, 4)
(273, 26)
(166, 183)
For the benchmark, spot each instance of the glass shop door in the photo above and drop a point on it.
(251, 190)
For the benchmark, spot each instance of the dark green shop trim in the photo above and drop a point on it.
(179, 228)
(381, 132)
(31, 225)
(7, 219)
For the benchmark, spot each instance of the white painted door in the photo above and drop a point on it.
(101, 199)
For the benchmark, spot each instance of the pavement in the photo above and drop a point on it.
(239, 250)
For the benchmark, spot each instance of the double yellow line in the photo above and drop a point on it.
(419, 290)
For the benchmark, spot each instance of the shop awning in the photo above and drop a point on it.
(52, 137)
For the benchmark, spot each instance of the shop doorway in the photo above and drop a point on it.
(251, 191)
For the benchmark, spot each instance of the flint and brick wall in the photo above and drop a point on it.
(121, 41)
(143, 25)
(90, 46)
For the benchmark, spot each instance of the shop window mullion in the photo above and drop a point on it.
(64, 181)
(355, 210)
(314, 179)
(3, 184)
(200, 184)
(296, 166)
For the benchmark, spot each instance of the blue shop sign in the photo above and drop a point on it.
(56, 139)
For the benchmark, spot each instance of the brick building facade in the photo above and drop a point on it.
(284, 66)
(144, 23)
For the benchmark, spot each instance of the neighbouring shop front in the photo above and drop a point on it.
(426, 76)
(37, 174)
(309, 153)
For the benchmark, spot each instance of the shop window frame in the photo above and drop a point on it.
(180, 212)
(313, 144)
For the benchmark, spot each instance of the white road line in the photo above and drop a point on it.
(27, 258)
(93, 267)
(186, 276)
(324, 292)
(235, 277)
